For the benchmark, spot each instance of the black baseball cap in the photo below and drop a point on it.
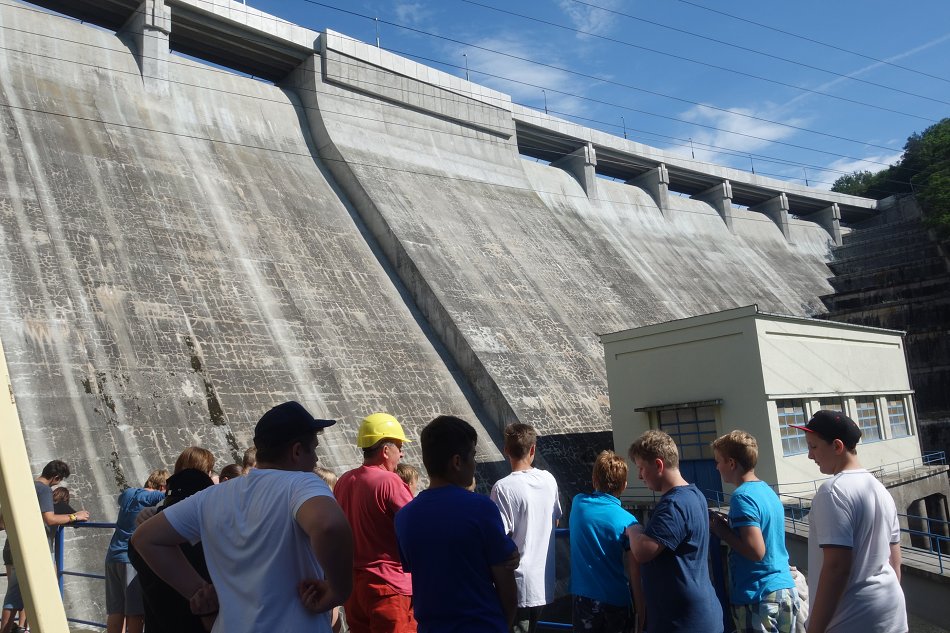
(831, 426)
(286, 422)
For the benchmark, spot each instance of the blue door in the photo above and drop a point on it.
(703, 473)
(693, 429)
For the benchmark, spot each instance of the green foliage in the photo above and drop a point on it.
(855, 184)
(924, 169)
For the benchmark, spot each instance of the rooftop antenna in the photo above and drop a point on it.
(691, 150)
(545, 101)
(624, 124)
(466, 66)
(805, 171)
(377, 32)
(752, 163)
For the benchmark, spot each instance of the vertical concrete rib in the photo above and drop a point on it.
(656, 182)
(830, 219)
(777, 209)
(719, 197)
(149, 28)
(582, 164)
(307, 81)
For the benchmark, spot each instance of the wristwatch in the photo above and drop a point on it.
(72, 518)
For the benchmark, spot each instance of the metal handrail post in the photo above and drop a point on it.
(60, 557)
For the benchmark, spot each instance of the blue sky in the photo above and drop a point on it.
(667, 92)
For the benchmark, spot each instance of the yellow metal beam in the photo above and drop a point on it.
(21, 515)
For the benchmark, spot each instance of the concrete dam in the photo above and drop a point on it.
(184, 247)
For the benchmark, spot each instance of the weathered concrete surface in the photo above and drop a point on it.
(367, 236)
(518, 269)
(170, 268)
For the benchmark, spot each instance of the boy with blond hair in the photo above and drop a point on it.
(599, 551)
(125, 609)
(530, 508)
(762, 595)
(410, 476)
(672, 549)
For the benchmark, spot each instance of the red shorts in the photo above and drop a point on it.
(375, 607)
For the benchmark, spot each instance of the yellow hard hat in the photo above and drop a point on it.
(379, 426)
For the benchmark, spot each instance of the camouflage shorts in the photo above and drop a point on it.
(601, 617)
(776, 613)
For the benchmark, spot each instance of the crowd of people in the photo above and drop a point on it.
(279, 543)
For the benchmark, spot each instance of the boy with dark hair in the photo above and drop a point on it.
(763, 596)
(530, 508)
(54, 473)
(286, 538)
(854, 551)
(453, 542)
(673, 548)
(599, 551)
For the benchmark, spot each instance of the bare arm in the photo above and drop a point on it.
(51, 518)
(748, 543)
(504, 577)
(157, 542)
(331, 540)
(895, 559)
(636, 586)
(643, 548)
(835, 570)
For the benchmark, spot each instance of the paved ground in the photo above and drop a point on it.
(920, 626)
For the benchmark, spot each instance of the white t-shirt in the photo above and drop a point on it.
(529, 506)
(255, 549)
(853, 509)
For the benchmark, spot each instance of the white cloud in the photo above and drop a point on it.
(512, 74)
(411, 13)
(589, 19)
(736, 132)
(872, 164)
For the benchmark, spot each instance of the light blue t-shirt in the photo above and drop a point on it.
(754, 504)
(131, 502)
(597, 546)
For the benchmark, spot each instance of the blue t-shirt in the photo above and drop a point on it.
(754, 504)
(679, 594)
(597, 546)
(449, 538)
(131, 502)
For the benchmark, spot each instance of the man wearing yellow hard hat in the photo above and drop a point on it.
(370, 496)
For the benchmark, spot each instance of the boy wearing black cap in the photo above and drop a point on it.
(278, 548)
(854, 555)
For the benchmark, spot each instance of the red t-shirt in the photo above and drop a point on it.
(370, 497)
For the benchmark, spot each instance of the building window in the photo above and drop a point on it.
(793, 440)
(897, 416)
(867, 421)
(693, 429)
(831, 404)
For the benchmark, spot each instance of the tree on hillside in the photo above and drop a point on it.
(856, 184)
(924, 169)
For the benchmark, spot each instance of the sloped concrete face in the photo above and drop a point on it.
(364, 237)
(519, 269)
(172, 267)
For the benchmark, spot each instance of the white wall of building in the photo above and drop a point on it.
(750, 360)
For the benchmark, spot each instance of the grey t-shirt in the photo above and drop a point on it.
(44, 494)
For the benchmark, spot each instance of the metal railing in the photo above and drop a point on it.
(797, 509)
(810, 487)
(59, 552)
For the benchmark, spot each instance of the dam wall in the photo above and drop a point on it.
(182, 247)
